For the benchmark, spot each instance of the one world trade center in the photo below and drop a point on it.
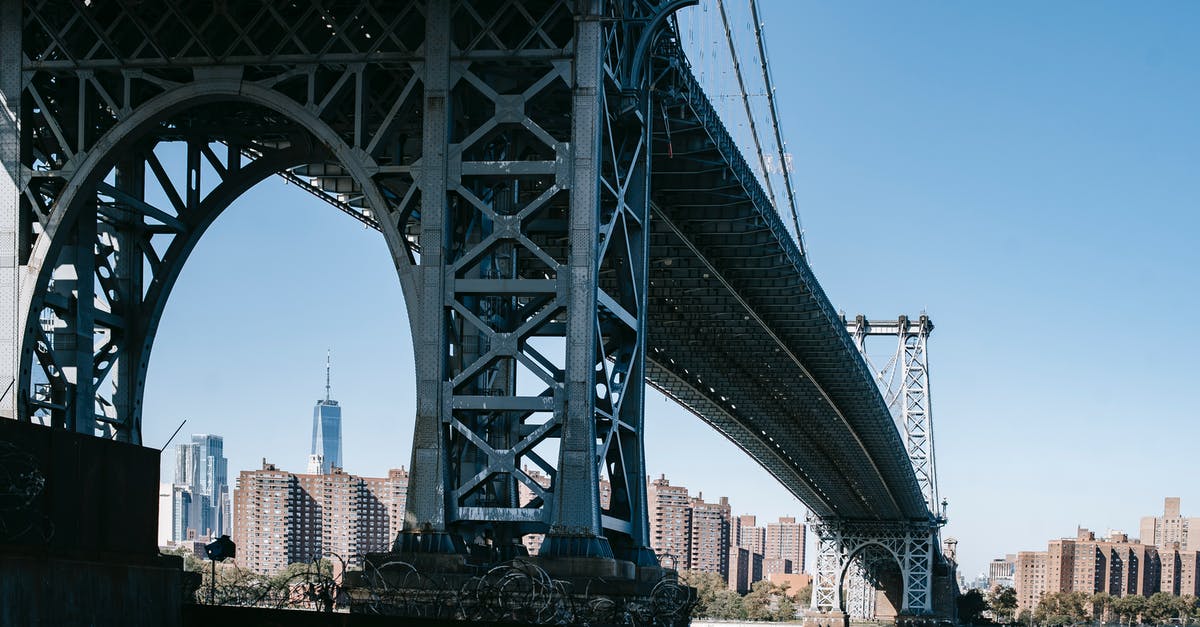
(326, 433)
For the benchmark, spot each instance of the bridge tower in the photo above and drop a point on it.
(852, 556)
(501, 147)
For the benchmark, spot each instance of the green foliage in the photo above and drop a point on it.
(1102, 607)
(714, 598)
(804, 596)
(769, 601)
(971, 607)
(1190, 612)
(765, 601)
(1063, 608)
(1128, 609)
(1162, 608)
(1002, 604)
(190, 561)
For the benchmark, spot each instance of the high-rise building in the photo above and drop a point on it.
(745, 568)
(776, 566)
(709, 536)
(326, 450)
(1030, 578)
(1170, 528)
(747, 535)
(746, 564)
(785, 541)
(1115, 565)
(165, 491)
(200, 503)
(1179, 570)
(1001, 571)
(284, 517)
(670, 516)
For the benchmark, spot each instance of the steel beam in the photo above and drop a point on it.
(11, 185)
(840, 544)
(904, 383)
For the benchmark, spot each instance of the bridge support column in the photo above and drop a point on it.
(10, 200)
(532, 294)
(841, 544)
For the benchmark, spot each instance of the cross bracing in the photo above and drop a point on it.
(467, 132)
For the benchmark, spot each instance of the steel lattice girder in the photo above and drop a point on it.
(741, 332)
(904, 383)
(506, 219)
(776, 373)
(911, 546)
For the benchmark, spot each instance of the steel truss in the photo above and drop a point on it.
(501, 147)
(863, 578)
(904, 383)
(847, 552)
(840, 544)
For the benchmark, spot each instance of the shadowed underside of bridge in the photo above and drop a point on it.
(742, 334)
(563, 206)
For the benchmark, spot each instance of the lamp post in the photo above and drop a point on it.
(217, 551)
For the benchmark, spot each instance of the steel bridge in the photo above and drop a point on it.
(569, 220)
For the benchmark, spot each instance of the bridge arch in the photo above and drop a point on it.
(101, 209)
(863, 573)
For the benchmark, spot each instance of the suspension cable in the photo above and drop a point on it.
(737, 68)
(783, 165)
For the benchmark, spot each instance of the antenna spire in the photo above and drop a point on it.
(328, 352)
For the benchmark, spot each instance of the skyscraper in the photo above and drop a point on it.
(200, 506)
(327, 432)
(1171, 527)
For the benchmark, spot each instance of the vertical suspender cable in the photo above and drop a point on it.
(737, 68)
(783, 165)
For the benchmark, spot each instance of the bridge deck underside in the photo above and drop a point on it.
(739, 330)
(741, 333)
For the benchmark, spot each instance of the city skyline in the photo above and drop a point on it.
(1045, 166)
(199, 492)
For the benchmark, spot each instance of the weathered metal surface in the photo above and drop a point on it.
(511, 154)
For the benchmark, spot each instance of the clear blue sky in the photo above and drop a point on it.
(1025, 172)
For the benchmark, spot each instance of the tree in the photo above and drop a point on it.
(1188, 604)
(190, 561)
(727, 605)
(1162, 608)
(786, 610)
(1002, 604)
(758, 601)
(1062, 608)
(971, 606)
(1129, 608)
(1102, 607)
(769, 601)
(714, 599)
(804, 596)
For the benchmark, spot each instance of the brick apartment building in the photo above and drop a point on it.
(1161, 560)
(281, 518)
(1116, 565)
(710, 536)
(670, 511)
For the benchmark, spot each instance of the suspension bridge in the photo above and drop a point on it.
(581, 198)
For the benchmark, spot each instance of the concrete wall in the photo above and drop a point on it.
(78, 532)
